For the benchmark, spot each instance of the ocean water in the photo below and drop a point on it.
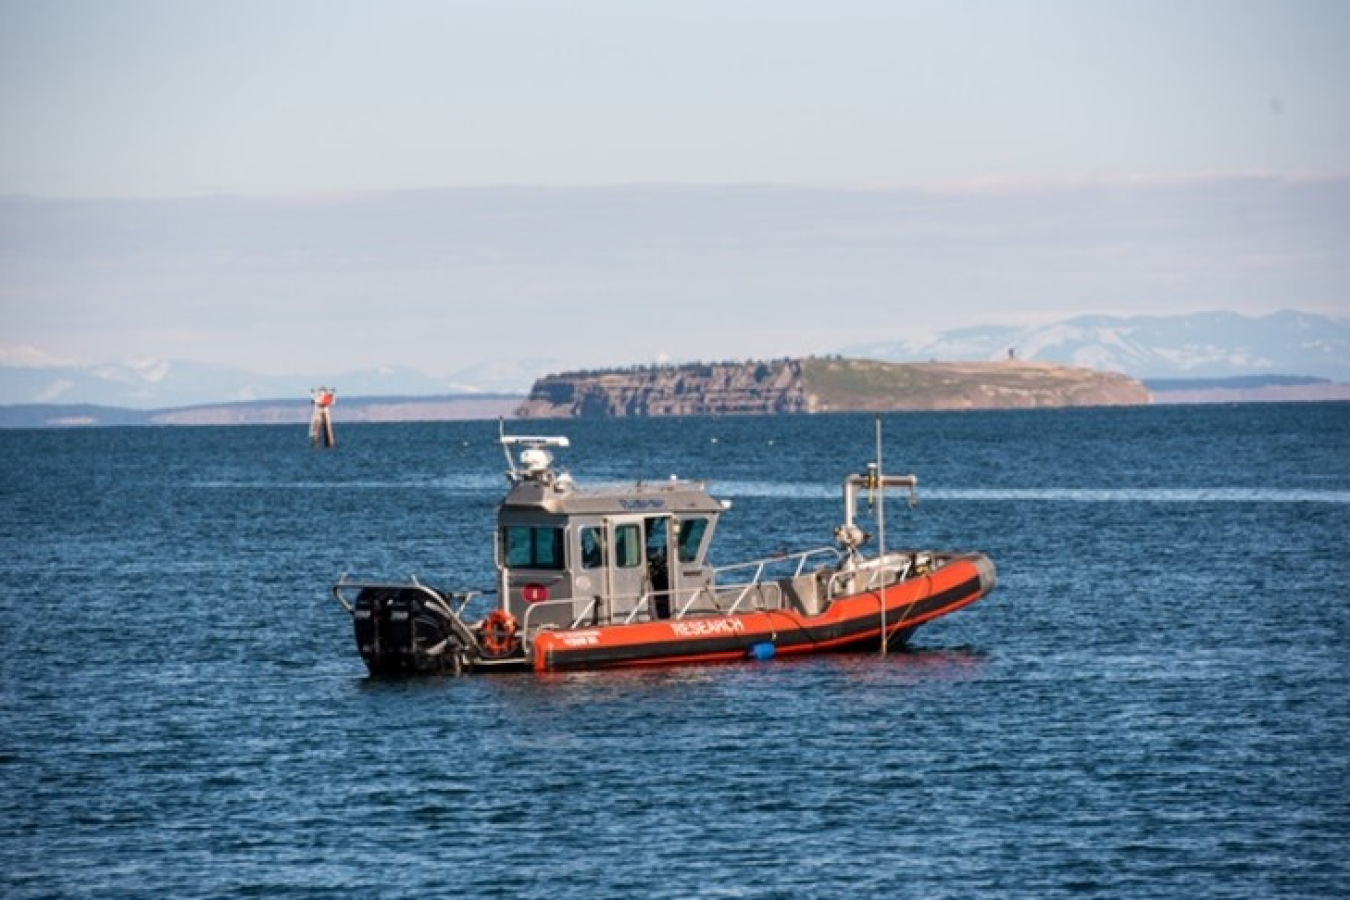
(1155, 701)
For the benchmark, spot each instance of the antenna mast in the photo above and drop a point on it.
(881, 531)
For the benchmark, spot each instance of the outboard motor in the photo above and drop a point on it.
(409, 631)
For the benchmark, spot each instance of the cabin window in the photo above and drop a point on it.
(592, 547)
(691, 536)
(533, 546)
(628, 546)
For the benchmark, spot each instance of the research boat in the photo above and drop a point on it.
(593, 578)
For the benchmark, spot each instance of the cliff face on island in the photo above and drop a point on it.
(824, 385)
(688, 390)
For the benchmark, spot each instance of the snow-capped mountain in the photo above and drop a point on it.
(157, 384)
(1202, 345)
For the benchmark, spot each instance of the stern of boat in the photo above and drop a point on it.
(413, 629)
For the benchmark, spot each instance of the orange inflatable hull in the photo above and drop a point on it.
(851, 622)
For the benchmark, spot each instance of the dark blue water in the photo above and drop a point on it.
(1154, 702)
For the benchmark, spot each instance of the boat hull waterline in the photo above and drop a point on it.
(851, 623)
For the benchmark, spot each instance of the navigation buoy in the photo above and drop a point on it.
(321, 421)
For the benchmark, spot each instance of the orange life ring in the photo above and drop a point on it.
(499, 633)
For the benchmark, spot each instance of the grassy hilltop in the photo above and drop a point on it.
(837, 385)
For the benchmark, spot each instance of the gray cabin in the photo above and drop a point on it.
(567, 555)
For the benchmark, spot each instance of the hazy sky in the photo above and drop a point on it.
(140, 98)
(319, 102)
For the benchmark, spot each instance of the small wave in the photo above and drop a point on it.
(789, 490)
(1235, 495)
(457, 483)
(492, 483)
(1146, 495)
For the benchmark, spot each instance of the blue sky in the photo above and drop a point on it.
(1031, 159)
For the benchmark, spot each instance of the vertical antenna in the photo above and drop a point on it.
(881, 532)
(501, 438)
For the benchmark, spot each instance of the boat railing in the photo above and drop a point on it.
(683, 601)
(876, 573)
(777, 563)
(758, 590)
(761, 579)
(452, 602)
(642, 602)
(846, 580)
(577, 620)
(647, 599)
(731, 590)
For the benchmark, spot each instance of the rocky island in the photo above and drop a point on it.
(820, 385)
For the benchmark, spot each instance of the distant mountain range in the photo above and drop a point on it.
(288, 411)
(1150, 348)
(158, 385)
(1201, 345)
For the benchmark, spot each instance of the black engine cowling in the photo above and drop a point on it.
(401, 631)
